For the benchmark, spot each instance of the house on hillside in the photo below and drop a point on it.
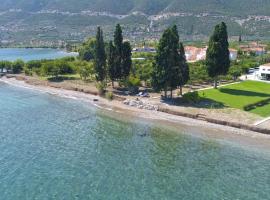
(254, 47)
(194, 54)
(263, 73)
(144, 49)
(233, 54)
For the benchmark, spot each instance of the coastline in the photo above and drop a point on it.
(198, 127)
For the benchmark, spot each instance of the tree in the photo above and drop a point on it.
(112, 67)
(50, 69)
(240, 38)
(126, 59)
(235, 71)
(166, 68)
(100, 56)
(180, 61)
(5, 65)
(184, 69)
(118, 43)
(33, 64)
(218, 54)
(17, 66)
(87, 51)
(63, 66)
(85, 69)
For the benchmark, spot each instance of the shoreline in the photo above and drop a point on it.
(176, 122)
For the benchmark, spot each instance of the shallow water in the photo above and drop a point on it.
(12, 54)
(56, 148)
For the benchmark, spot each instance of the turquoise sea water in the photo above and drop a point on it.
(55, 148)
(12, 54)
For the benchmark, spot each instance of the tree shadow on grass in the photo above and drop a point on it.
(202, 103)
(236, 92)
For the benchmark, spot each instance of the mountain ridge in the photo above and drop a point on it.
(147, 6)
(73, 20)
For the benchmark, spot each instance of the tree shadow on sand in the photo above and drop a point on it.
(61, 79)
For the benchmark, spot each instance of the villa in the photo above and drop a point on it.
(194, 54)
(263, 73)
(254, 47)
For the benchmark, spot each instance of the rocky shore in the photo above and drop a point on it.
(137, 103)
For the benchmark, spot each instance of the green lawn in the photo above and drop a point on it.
(240, 95)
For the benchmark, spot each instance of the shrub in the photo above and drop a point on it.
(34, 64)
(101, 86)
(191, 97)
(17, 66)
(133, 84)
(50, 69)
(5, 65)
(28, 72)
(109, 96)
(85, 69)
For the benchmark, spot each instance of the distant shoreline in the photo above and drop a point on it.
(29, 54)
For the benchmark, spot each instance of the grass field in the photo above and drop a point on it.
(240, 95)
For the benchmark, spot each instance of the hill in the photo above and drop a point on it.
(46, 20)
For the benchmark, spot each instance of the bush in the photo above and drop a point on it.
(235, 71)
(101, 86)
(50, 69)
(192, 97)
(28, 72)
(37, 71)
(133, 84)
(63, 67)
(109, 96)
(34, 64)
(17, 66)
(87, 50)
(85, 69)
(5, 65)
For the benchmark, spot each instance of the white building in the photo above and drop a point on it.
(194, 54)
(263, 73)
(233, 54)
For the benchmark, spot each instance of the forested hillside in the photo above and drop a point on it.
(147, 6)
(75, 19)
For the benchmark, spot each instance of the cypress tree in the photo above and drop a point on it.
(126, 59)
(180, 61)
(158, 75)
(112, 67)
(100, 56)
(174, 71)
(184, 69)
(118, 42)
(218, 54)
(122, 58)
(166, 67)
(240, 39)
